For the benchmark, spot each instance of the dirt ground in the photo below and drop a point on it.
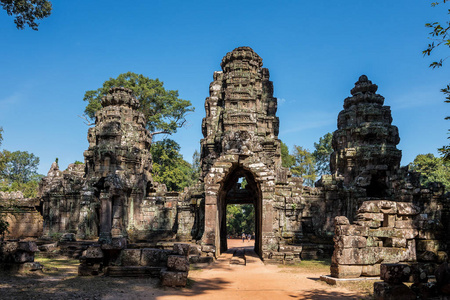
(218, 281)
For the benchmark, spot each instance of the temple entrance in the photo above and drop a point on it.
(241, 197)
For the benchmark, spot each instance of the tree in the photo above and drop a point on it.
(322, 154)
(1, 135)
(163, 110)
(196, 170)
(26, 12)
(19, 166)
(169, 167)
(287, 160)
(304, 165)
(432, 169)
(440, 35)
(240, 218)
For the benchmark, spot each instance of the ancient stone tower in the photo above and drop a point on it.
(365, 151)
(240, 141)
(118, 162)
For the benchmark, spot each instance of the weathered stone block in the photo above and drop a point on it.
(341, 220)
(370, 224)
(370, 270)
(428, 245)
(178, 263)
(395, 242)
(130, 257)
(396, 273)
(374, 242)
(171, 278)
(387, 291)
(351, 230)
(388, 232)
(22, 256)
(345, 271)
(389, 220)
(93, 253)
(27, 246)
(153, 257)
(370, 217)
(345, 241)
(408, 209)
(181, 249)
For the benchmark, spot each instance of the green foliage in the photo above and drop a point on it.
(26, 12)
(440, 34)
(304, 165)
(1, 135)
(322, 154)
(19, 166)
(196, 170)
(287, 160)
(77, 162)
(432, 169)
(163, 110)
(240, 218)
(169, 167)
(18, 172)
(4, 225)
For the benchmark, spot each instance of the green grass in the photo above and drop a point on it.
(322, 265)
(58, 266)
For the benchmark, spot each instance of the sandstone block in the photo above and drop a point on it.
(23, 257)
(130, 257)
(406, 208)
(345, 271)
(370, 270)
(93, 253)
(178, 263)
(181, 249)
(341, 220)
(389, 220)
(345, 241)
(396, 273)
(370, 224)
(351, 230)
(387, 291)
(428, 245)
(395, 242)
(370, 216)
(171, 278)
(151, 257)
(27, 246)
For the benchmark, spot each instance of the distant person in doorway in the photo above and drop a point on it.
(243, 237)
(249, 237)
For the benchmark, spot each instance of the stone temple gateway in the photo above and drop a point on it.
(112, 198)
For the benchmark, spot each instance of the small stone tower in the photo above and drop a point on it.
(365, 143)
(118, 161)
(240, 112)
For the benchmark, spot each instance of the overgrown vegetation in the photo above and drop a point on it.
(440, 36)
(18, 171)
(432, 169)
(240, 219)
(164, 111)
(306, 164)
(170, 168)
(26, 12)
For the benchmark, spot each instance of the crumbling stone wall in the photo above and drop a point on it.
(22, 214)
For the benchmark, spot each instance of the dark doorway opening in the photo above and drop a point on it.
(240, 196)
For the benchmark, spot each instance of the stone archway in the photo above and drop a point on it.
(229, 194)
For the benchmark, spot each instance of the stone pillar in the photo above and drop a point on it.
(105, 218)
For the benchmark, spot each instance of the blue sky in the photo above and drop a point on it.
(315, 51)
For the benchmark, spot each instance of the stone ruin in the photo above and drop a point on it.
(386, 215)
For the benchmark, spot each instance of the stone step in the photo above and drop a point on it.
(133, 271)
